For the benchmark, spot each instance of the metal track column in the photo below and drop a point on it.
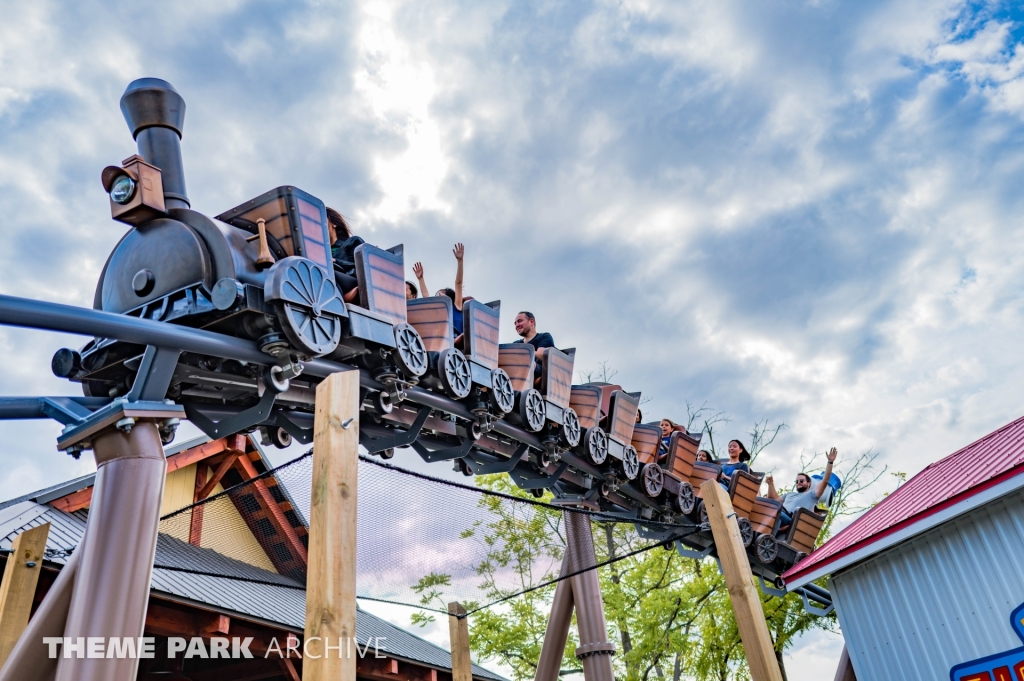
(595, 650)
(111, 590)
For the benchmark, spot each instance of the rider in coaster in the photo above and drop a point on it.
(668, 426)
(343, 247)
(526, 326)
(804, 495)
(738, 458)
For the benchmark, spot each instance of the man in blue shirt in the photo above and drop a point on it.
(526, 326)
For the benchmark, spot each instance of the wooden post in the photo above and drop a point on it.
(19, 586)
(746, 602)
(458, 628)
(331, 577)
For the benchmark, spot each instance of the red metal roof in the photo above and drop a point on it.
(994, 458)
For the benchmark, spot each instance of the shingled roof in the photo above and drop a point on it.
(282, 602)
(983, 470)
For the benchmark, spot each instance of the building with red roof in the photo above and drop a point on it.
(928, 583)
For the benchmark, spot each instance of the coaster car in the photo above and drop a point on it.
(780, 552)
(607, 415)
(472, 377)
(546, 410)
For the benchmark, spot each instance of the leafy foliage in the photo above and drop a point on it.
(669, 616)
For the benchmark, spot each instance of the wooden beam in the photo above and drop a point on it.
(75, 501)
(215, 624)
(218, 475)
(195, 529)
(746, 601)
(275, 515)
(19, 585)
(390, 669)
(288, 668)
(331, 577)
(458, 628)
(249, 670)
(196, 454)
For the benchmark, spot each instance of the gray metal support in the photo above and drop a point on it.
(595, 650)
(111, 591)
(557, 633)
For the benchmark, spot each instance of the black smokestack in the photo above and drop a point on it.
(155, 113)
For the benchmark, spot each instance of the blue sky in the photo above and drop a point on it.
(807, 212)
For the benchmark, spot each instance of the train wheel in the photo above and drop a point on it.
(308, 304)
(686, 500)
(533, 410)
(410, 353)
(382, 403)
(570, 427)
(502, 394)
(455, 374)
(746, 531)
(630, 463)
(654, 481)
(766, 549)
(280, 438)
(596, 444)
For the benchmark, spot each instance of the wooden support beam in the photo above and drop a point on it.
(458, 628)
(19, 585)
(288, 668)
(331, 577)
(249, 670)
(196, 454)
(371, 667)
(275, 515)
(195, 529)
(746, 601)
(75, 501)
(218, 475)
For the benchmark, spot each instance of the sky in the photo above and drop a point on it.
(805, 212)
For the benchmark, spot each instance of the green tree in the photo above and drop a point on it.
(670, 616)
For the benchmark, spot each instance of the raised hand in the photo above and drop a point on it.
(831, 456)
(417, 269)
(459, 251)
(770, 479)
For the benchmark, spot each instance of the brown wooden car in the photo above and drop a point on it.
(550, 405)
(788, 548)
(472, 375)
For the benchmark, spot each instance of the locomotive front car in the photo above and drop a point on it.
(261, 271)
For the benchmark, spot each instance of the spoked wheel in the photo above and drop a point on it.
(596, 445)
(532, 410)
(766, 549)
(570, 427)
(410, 353)
(654, 480)
(455, 374)
(686, 500)
(308, 304)
(502, 396)
(630, 463)
(746, 531)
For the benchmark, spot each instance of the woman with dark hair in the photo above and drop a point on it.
(343, 248)
(738, 458)
(705, 456)
(411, 292)
(668, 426)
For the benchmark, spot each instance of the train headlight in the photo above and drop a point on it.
(122, 190)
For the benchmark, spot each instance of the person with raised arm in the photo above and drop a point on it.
(804, 495)
(417, 269)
